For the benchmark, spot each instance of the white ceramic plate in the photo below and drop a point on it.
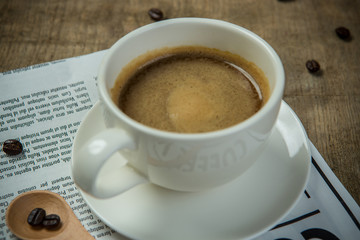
(244, 208)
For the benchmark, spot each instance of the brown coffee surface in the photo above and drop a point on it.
(190, 89)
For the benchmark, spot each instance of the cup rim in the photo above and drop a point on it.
(276, 94)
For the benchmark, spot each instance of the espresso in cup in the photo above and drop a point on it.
(180, 90)
(190, 89)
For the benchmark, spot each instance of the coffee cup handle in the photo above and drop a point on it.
(91, 157)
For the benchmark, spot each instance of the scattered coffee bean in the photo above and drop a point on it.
(343, 33)
(36, 216)
(313, 66)
(51, 220)
(156, 14)
(12, 147)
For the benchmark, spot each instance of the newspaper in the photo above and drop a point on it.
(43, 106)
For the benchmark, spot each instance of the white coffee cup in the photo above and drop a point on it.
(182, 162)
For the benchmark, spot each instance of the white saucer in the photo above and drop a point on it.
(244, 208)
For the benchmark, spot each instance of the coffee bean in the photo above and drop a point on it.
(156, 14)
(51, 220)
(343, 33)
(313, 66)
(12, 147)
(36, 216)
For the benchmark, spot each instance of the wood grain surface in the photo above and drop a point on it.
(328, 104)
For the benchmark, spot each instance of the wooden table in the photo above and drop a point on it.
(328, 104)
